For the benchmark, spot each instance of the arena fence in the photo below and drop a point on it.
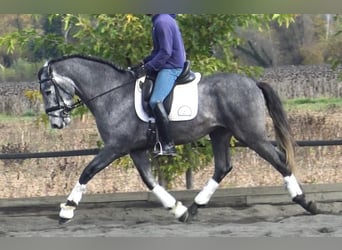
(94, 151)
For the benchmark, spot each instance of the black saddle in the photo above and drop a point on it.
(186, 76)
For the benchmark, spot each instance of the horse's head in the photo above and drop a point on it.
(57, 92)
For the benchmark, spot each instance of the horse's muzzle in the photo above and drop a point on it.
(58, 122)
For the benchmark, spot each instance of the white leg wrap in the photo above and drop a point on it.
(76, 193)
(67, 212)
(179, 209)
(292, 186)
(165, 198)
(204, 196)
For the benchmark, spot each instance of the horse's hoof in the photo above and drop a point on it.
(66, 212)
(308, 206)
(193, 209)
(185, 217)
(312, 208)
(191, 213)
(63, 221)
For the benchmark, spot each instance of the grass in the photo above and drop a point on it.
(12, 118)
(313, 104)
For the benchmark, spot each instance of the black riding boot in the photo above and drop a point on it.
(166, 147)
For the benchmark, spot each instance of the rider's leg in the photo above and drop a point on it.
(167, 146)
(163, 86)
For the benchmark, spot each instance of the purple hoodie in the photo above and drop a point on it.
(168, 48)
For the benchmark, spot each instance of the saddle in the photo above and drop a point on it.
(186, 76)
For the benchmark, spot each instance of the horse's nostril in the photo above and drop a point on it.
(54, 126)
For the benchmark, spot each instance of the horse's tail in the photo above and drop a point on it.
(282, 128)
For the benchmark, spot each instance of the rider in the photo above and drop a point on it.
(166, 61)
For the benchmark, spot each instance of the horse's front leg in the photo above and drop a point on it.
(143, 165)
(220, 144)
(101, 160)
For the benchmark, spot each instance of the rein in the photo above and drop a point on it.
(80, 102)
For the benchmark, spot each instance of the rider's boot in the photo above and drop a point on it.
(167, 146)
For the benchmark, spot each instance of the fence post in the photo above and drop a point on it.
(188, 178)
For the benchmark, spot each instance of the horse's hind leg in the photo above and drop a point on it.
(143, 165)
(220, 143)
(277, 158)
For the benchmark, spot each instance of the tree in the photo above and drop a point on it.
(125, 38)
(334, 53)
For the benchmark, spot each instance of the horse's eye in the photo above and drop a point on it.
(48, 92)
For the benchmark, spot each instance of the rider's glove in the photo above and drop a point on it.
(139, 70)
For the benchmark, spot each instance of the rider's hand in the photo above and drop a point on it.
(139, 70)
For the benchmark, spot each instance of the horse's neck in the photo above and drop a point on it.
(95, 82)
(89, 83)
(95, 92)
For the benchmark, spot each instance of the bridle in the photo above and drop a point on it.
(61, 104)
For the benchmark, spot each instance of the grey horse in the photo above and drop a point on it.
(229, 105)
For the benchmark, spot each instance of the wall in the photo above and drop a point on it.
(309, 81)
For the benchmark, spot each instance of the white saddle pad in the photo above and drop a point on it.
(184, 105)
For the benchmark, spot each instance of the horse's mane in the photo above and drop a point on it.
(91, 58)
